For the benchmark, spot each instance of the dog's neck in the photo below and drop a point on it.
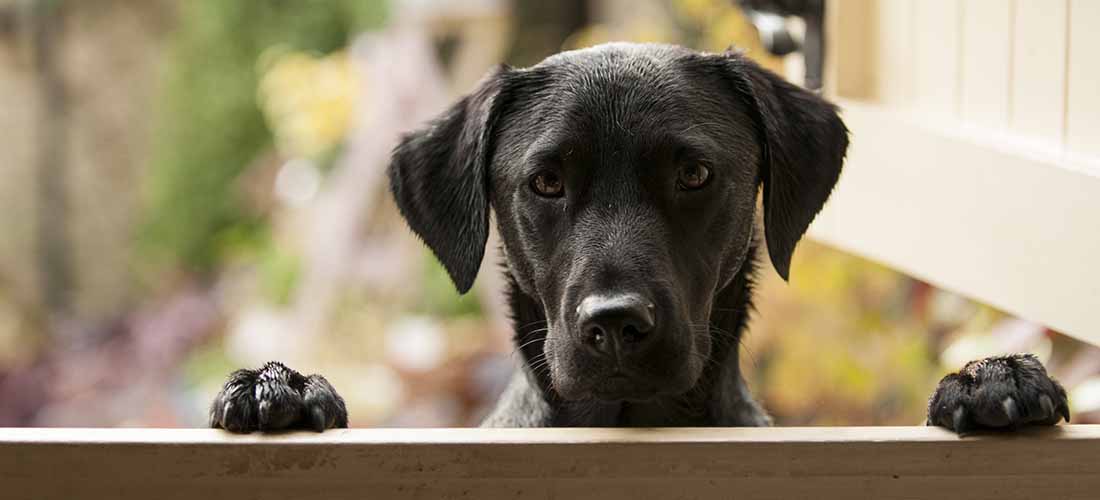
(719, 398)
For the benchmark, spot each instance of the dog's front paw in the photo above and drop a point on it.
(1002, 392)
(274, 398)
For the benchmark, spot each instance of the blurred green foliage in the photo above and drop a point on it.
(279, 272)
(439, 297)
(846, 342)
(210, 128)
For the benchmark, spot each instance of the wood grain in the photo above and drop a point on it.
(846, 462)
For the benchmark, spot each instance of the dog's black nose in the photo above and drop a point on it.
(616, 324)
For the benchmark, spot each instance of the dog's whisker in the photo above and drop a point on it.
(727, 335)
(529, 342)
(519, 348)
(538, 361)
(533, 323)
(526, 335)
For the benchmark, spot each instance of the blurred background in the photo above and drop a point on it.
(195, 186)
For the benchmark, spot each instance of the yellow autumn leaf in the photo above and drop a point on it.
(308, 101)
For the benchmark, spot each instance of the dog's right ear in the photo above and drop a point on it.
(439, 179)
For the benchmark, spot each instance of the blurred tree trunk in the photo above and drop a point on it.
(45, 25)
(541, 27)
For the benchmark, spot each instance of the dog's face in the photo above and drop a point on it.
(624, 179)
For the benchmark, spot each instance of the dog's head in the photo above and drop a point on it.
(624, 178)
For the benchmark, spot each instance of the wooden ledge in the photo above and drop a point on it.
(807, 462)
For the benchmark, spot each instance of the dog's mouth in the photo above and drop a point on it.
(620, 387)
(669, 366)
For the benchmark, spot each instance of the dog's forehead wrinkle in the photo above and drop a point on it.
(547, 146)
(618, 85)
(625, 134)
(624, 94)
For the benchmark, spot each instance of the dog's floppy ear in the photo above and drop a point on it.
(439, 179)
(804, 142)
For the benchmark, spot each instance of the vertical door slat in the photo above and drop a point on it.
(894, 54)
(1039, 69)
(986, 62)
(1083, 101)
(936, 52)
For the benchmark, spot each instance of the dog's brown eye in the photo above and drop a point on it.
(548, 184)
(693, 176)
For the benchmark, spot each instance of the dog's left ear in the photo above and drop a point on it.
(804, 144)
(439, 179)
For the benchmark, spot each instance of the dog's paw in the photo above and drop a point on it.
(1002, 392)
(275, 398)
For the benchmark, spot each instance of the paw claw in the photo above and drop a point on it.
(263, 416)
(318, 419)
(1011, 411)
(958, 420)
(1047, 405)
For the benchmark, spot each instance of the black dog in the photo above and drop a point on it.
(624, 180)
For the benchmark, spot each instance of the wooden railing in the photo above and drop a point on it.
(745, 463)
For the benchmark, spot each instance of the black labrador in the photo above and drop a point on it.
(624, 179)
